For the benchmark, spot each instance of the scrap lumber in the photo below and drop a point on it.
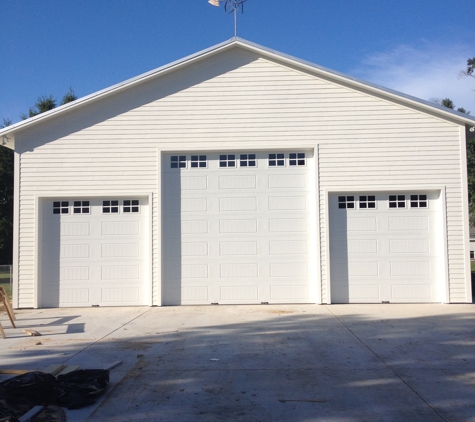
(113, 365)
(54, 369)
(8, 306)
(14, 371)
(33, 333)
(68, 369)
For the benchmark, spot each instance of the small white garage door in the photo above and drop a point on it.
(386, 247)
(94, 252)
(238, 228)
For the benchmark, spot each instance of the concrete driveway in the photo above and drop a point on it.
(262, 363)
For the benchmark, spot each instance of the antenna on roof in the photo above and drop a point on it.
(232, 6)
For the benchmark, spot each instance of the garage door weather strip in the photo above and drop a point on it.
(385, 364)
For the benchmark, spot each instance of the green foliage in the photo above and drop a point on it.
(470, 68)
(42, 104)
(68, 97)
(471, 179)
(447, 102)
(6, 202)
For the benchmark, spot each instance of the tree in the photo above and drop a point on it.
(6, 202)
(447, 102)
(43, 103)
(470, 71)
(68, 97)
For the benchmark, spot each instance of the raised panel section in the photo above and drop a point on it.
(282, 181)
(194, 227)
(74, 251)
(238, 270)
(364, 292)
(289, 293)
(299, 269)
(409, 223)
(194, 271)
(363, 246)
(287, 203)
(120, 272)
(288, 225)
(75, 229)
(411, 268)
(237, 182)
(238, 204)
(73, 273)
(120, 228)
(368, 269)
(284, 247)
(194, 249)
(194, 205)
(120, 295)
(120, 250)
(362, 224)
(404, 246)
(238, 248)
(404, 291)
(239, 293)
(238, 226)
(194, 183)
(195, 293)
(74, 296)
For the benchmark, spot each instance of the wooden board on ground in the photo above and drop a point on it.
(54, 369)
(68, 369)
(7, 304)
(32, 332)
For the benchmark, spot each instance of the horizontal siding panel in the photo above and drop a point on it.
(363, 141)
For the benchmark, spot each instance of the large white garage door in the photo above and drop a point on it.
(238, 228)
(94, 252)
(386, 247)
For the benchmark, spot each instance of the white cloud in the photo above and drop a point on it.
(426, 71)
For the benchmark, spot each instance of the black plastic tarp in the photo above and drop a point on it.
(73, 390)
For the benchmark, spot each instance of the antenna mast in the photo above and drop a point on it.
(230, 6)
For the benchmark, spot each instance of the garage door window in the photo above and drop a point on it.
(61, 207)
(81, 207)
(297, 159)
(276, 160)
(346, 202)
(367, 202)
(110, 207)
(227, 160)
(178, 161)
(131, 205)
(198, 161)
(397, 201)
(247, 160)
(418, 201)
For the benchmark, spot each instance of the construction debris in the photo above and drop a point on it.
(32, 332)
(21, 394)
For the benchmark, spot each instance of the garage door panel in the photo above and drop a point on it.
(94, 258)
(252, 235)
(396, 250)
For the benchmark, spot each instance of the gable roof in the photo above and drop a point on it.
(339, 78)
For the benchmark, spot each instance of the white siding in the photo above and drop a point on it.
(237, 99)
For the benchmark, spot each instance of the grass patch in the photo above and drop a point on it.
(8, 289)
(472, 265)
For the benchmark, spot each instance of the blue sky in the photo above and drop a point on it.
(418, 47)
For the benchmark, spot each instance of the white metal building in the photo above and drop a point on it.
(241, 175)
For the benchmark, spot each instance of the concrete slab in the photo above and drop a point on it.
(262, 363)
